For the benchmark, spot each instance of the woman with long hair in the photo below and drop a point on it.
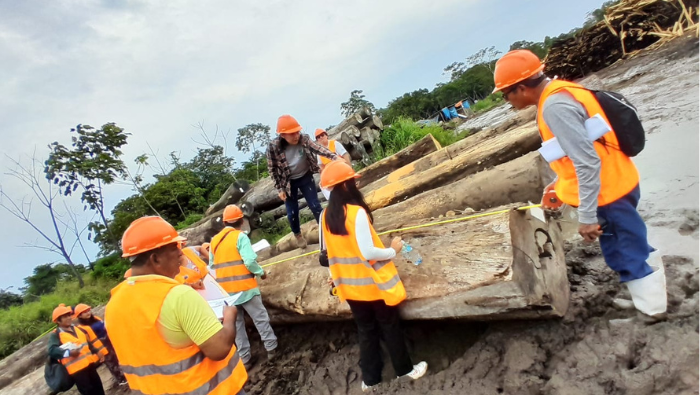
(364, 275)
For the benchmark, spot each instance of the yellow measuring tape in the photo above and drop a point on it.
(447, 221)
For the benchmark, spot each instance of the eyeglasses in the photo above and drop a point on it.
(321, 135)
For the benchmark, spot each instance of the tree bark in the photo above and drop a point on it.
(373, 122)
(415, 151)
(353, 131)
(484, 268)
(520, 180)
(440, 168)
(366, 136)
(232, 195)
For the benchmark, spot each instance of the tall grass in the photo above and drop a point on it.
(489, 102)
(404, 132)
(19, 325)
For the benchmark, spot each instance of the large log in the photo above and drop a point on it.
(373, 122)
(520, 180)
(440, 168)
(353, 120)
(485, 268)
(264, 197)
(232, 195)
(417, 150)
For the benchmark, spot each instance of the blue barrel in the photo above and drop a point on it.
(453, 112)
(446, 114)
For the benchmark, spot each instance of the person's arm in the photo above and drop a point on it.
(249, 256)
(55, 351)
(272, 167)
(194, 316)
(565, 118)
(318, 149)
(341, 151)
(365, 242)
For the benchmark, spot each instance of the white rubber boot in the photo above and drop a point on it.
(649, 293)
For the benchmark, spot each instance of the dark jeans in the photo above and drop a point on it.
(376, 320)
(307, 186)
(112, 362)
(88, 381)
(624, 239)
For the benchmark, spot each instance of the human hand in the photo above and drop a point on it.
(589, 232)
(397, 244)
(102, 358)
(330, 281)
(283, 196)
(264, 276)
(74, 353)
(198, 285)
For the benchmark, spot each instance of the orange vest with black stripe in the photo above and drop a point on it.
(331, 147)
(618, 174)
(88, 342)
(355, 277)
(150, 364)
(231, 273)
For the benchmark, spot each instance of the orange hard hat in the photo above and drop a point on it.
(320, 132)
(80, 309)
(146, 234)
(60, 311)
(127, 274)
(515, 66)
(232, 213)
(287, 124)
(336, 172)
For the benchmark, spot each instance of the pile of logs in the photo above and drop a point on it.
(508, 265)
(629, 25)
(358, 133)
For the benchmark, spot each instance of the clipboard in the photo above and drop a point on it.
(215, 295)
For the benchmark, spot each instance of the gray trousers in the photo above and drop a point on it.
(258, 314)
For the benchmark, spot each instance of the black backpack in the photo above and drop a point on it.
(624, 121)
(56, 375)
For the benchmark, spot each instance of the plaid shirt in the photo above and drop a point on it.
(277, 160)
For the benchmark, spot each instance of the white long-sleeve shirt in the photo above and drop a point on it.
(363, 236)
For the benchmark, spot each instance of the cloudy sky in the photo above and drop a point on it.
(158, 67)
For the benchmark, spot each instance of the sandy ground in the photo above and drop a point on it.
(599, 347)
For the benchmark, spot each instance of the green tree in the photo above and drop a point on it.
(9, 299)
(252, 137)
(92, 162)
(536, 48)
(355, 103)
(46, 276)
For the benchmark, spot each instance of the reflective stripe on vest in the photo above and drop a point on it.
(356, 278)
(85, 358)
(331, 147)
(231, 272)
(618, 174)
(150, 364)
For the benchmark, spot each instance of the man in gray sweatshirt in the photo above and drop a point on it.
(593, 175)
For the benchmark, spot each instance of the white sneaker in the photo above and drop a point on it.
(366, 387)
(418, 371)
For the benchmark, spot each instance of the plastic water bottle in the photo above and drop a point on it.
(410, 254)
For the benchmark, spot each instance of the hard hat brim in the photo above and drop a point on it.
(292, 130)
(176, 239)
(528, 75)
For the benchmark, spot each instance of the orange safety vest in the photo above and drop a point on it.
(618, 174)
(198, 262)
(331, 147)
(188, 276)
(355, 277)
(231, 273)
(150, 364)
(88, 341)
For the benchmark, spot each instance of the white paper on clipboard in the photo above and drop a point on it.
(215, 295)
(261, 245)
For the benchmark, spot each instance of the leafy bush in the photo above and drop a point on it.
(111, 267)
(404, 132)
(19, 325)
(191, 219)
(488, 103)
